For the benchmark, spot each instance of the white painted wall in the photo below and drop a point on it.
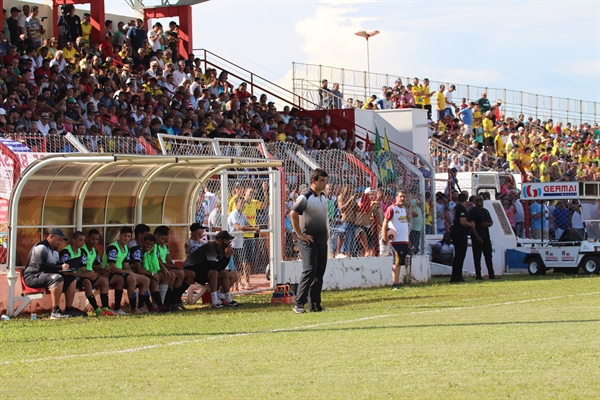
(406, 127)
(352, 273)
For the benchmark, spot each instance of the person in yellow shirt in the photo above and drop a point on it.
(69, 52)
(427, 97)
(526, 159)
(237, 191)
(440, 101)
(86, 29)
(513, 157)
(544, 170)
(534, 167)
(488, 128)
(417, 91)
(499, 143)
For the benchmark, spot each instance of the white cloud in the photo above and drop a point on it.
(578, 67)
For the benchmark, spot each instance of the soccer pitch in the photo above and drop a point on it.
(521, 337)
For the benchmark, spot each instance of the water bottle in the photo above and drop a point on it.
(4, 317)
(33, 316)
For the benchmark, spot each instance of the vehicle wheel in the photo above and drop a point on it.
(536, 267)
(591, 265)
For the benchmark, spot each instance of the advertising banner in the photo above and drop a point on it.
(550, 190)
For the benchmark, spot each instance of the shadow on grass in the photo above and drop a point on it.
(315, 328)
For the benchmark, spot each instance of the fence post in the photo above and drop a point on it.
(505, 104)
(320, 74)
(365, 84)
(468, 95)
(581, 111)
(343, 79)
(521, 102)
(567, 111)
(550, 106)
(294, 78)
(536, 106)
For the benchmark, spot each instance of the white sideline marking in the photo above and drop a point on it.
(232, 335)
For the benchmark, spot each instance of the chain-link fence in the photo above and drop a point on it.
(359, 85)
(238, 201)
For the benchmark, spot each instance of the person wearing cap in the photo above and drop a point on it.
(310, 223)
(208, 265)
(43, 270)
(197, 238)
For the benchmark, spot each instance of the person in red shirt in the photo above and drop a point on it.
(106, 47)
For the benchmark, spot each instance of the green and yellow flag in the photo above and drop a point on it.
(383, 158)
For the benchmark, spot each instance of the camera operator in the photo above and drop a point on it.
(71, 26)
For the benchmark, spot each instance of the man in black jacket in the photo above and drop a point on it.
(482, 244)
(42, 270)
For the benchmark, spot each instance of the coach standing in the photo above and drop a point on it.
(309, 220)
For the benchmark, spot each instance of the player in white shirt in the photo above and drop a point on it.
(397, 217)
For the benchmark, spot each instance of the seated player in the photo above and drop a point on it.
(197, 238)
(144, 261)
(42, 270)
(139, 232)
(208, 265)
(171, 300)
(87, 278)
(116, 259)
(91, 259)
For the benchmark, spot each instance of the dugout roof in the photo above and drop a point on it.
(83, 191)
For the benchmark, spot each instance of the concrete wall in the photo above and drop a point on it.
(353, 273)
(406, 127)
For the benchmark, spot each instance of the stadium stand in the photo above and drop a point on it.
(125, 96)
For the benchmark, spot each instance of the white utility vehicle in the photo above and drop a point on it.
(574, 249)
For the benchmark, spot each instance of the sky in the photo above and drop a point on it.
(542, 47)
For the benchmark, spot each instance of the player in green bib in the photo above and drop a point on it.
(87, 279)
(116, 260)
(91, 259)
(172, 298)
(144, 261)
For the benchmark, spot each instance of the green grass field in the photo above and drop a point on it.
(520, 337)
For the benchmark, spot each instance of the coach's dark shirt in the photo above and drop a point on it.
(313, 215)
(42, 258)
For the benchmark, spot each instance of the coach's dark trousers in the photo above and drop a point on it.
(486, 249)
(460, 251)
(314, 262)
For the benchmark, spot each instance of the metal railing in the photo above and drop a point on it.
(359, 84)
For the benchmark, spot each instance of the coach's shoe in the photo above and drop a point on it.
(233, 303)
(217, 306)
(397, 286)
(120, 312)
(58, 315)
(316, 308)
(138, 311)
(299, 309)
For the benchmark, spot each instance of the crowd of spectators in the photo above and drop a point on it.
(476, 135)
(133, 84)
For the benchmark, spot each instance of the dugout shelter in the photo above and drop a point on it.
(84, 191)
